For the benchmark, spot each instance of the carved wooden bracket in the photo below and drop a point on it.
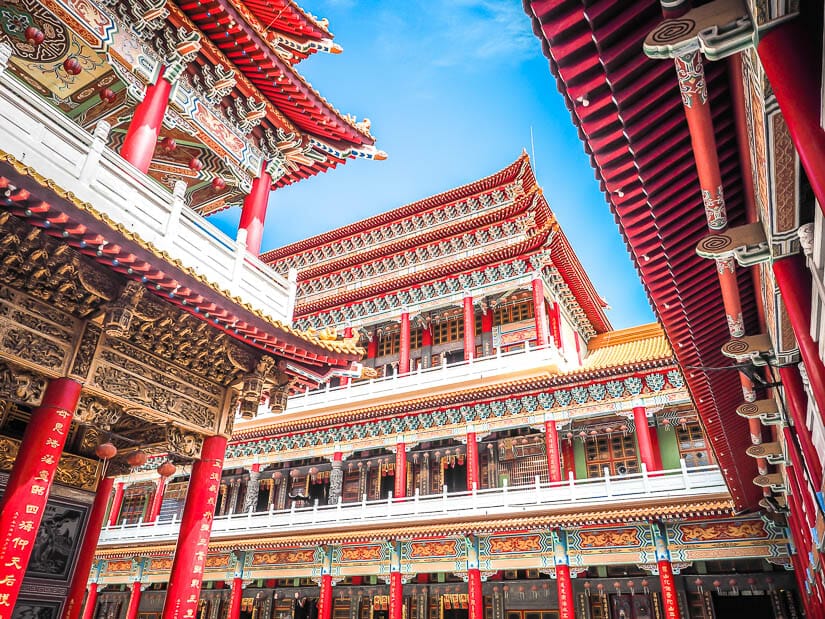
(754, 348)
(718, 29)
(766, 411)
(772, 452)
(747, 244)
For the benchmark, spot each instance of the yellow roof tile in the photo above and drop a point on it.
(626, 347)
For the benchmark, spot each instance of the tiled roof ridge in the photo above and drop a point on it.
(412, 280)
(505, 175)
(429, 236)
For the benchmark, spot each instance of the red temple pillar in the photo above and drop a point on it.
(117, 501)
(86, 554)
(794, 281)
(538, 310)
(557, 331)
(799, 471)
(469, 328)
(487, 332)
(372, 346)
(473, 477)
(670, 601)
(400, 489)
(404, 347)
(253, 213)
(30, 481)
(797, 401)
(564, 586)
(787, 52)
(91, 602)
(643, 438)
(569, 456)
(475, 596)
(195, 528)
(396, 596)
(157, 500)
(551, 443)
(235, 599)
(144, 129)
(134, 601)
(345, 380)
(325, 598)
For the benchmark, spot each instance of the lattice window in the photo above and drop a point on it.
(692, 445)
(616, 452)
(448, 330)
(514, 313)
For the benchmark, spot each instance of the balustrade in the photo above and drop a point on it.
(538, 497)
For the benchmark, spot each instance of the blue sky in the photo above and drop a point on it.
(452, 88)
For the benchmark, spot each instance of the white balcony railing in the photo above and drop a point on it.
(584, 494)
(42, 137)
(540, 358)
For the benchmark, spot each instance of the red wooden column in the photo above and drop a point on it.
(669, 595)
(396, 596)
(799, 471)
(345, 380)
(404, 344)
(670, 601)
(426, 344)
(794, 281)
(144, 129)
(400, 488)
(157, 500)
(475, 596)
(195, 528)
(539, 310)
(86, 554)
(30, 481)
(91, 602)
(253, 213)
(372, 345)
(797, 401)
(564, 586)
(473, 477)
(469, 327)
(643, 438)
(325, 598)
(551, 444)
(235, 598)
(787, 52)
(564, 589)
(569, 456)
(117, 501)
(486, 331)
(134, 601)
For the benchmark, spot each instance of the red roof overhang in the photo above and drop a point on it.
(635, 132)
(274, 77)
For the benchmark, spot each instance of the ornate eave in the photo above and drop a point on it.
(511, 402)
(43, 204)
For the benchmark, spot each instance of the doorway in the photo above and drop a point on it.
(626, 606)
(750, 606)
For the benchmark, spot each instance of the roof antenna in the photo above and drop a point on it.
(532, 148)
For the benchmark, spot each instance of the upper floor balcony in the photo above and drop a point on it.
(43, 138)
(680, 485)
(528, 362)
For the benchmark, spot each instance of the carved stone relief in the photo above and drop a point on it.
(20, 386)
(184, 443)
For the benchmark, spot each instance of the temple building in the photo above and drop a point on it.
(704, 124)
(129, 324)
(504, 453)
